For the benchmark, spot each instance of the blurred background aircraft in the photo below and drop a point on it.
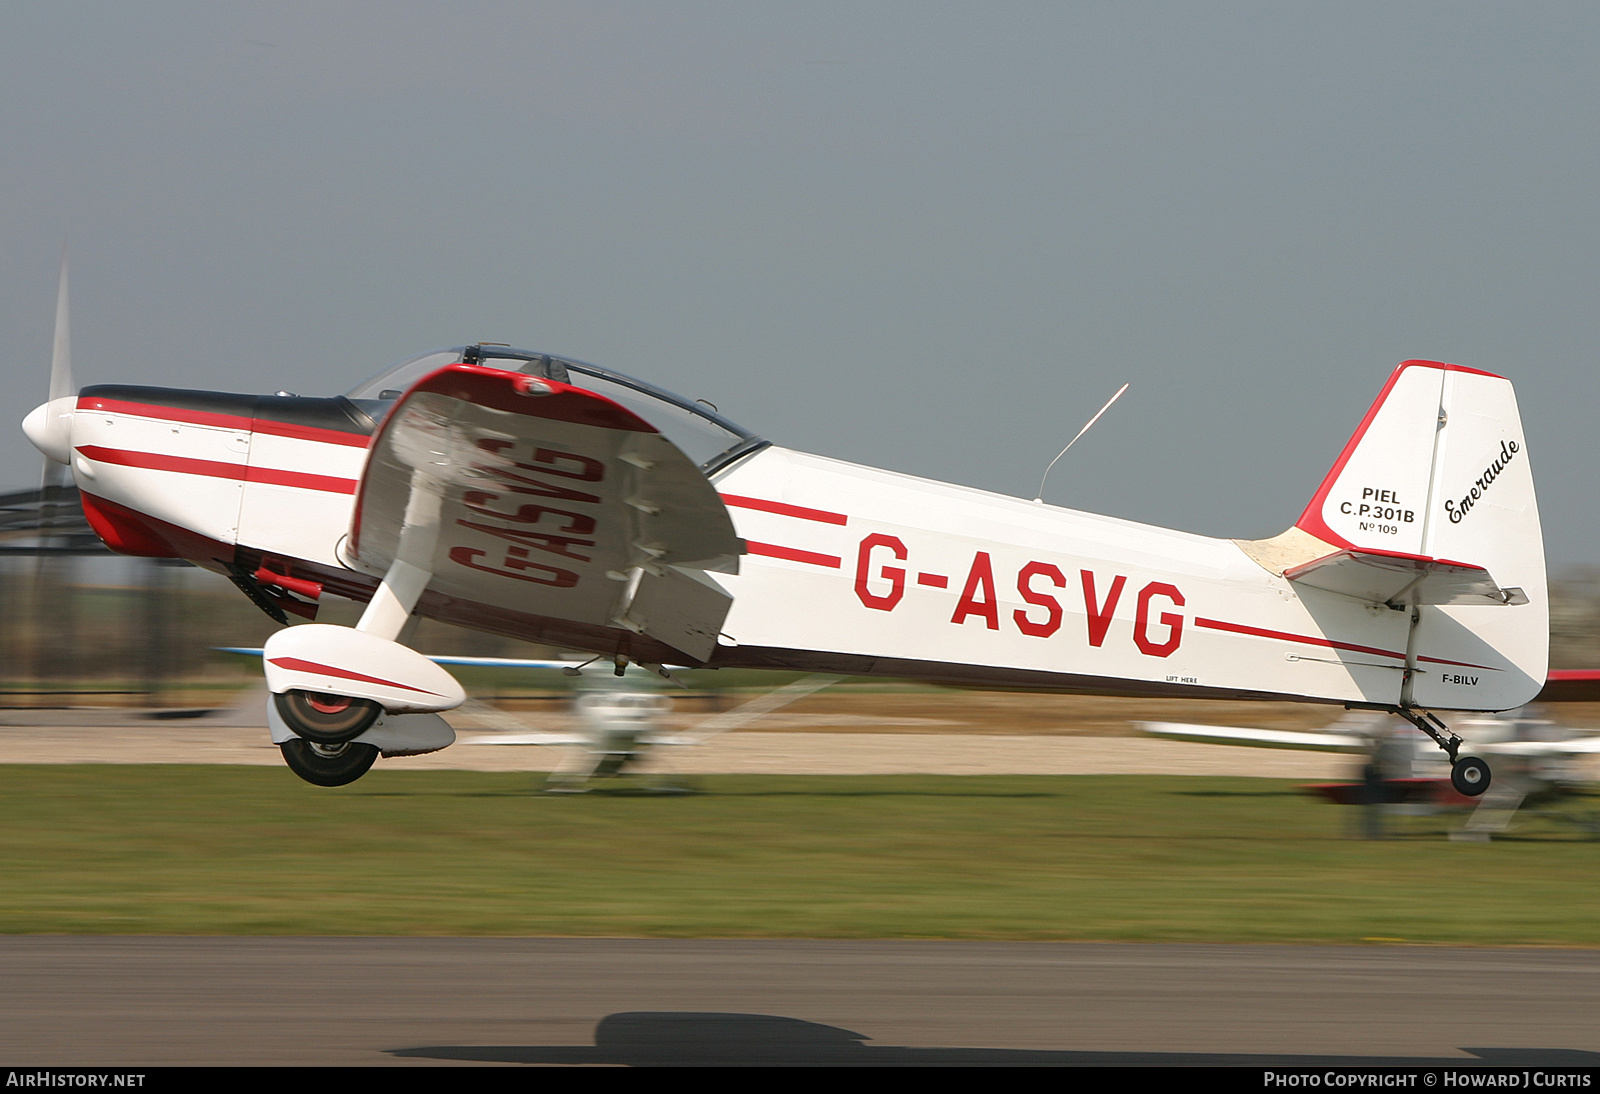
(623, 719)
(1534, 759)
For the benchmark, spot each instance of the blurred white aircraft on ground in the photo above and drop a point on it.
(621, 723)
(1533, 757)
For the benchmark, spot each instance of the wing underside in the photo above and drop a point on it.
(515, 493)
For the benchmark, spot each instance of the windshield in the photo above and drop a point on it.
(704, 435)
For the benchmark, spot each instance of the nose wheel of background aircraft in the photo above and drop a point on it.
(1470, 776)
(326, 719)
(328, 765)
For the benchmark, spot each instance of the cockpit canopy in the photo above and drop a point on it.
(705, 436)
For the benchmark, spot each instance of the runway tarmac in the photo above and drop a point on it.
(151, 1001)
(131, 1002)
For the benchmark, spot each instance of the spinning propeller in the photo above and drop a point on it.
(49, 426)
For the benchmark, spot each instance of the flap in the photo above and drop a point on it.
(528, 495)
(1394, 579)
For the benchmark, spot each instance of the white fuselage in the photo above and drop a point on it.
(893, 569)
(859, 570)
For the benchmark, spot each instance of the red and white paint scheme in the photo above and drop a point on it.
(559, 502)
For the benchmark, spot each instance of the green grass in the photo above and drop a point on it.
(239, 850)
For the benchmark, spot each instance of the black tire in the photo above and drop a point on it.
(326, 719)
(1470, 776)
(328, 765)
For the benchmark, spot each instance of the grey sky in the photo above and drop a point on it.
(930, 237)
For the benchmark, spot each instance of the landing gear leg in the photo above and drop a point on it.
(1468, 774)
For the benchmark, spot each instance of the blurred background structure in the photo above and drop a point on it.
(85, 627)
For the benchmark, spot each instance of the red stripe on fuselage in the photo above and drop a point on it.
(1459, 664)
(785, 509)
(226, 421)
(218, 469)
(1286, 636)
(793, 554)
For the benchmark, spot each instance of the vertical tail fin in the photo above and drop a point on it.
(1439, 468)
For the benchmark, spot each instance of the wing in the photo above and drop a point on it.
(501, 662)
(531, 739)
(528, 498)
(459, 659)
(1258, 738)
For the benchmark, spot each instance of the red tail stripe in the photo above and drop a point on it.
(1458, 664)
(1262, 632)
(1311, 520)
(1286, 636)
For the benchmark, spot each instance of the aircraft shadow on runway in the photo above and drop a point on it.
(695, 1039)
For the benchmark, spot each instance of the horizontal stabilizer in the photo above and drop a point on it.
(576, 739)
(1395, 579)
(1256, 738)
(531, 739)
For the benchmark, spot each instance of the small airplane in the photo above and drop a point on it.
(546, 499)
(621, 724)
(1535, 758)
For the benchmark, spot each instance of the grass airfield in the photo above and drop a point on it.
(151, 849)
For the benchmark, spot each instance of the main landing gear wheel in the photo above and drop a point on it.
(1470, 776)
(328, 765)
(326, 719)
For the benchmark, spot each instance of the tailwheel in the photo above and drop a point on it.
(1470, 776)
(326, 719)
(328, 765)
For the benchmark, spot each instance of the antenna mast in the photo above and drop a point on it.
(1074, 440)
